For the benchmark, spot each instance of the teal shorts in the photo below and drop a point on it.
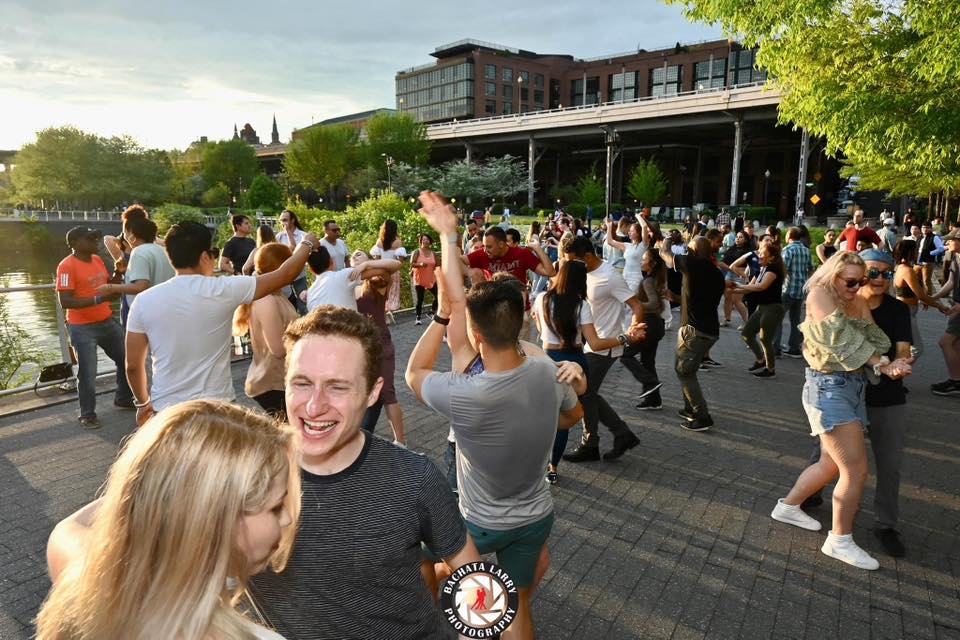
(518, 550)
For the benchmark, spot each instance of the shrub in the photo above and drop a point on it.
(264, 193)
(525, 211)
(766, 215)
(576, 210)
(496, 210)
(216, 196)
(167, 215)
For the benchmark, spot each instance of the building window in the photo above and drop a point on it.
(622, 87)
(507, 74)
(490, 107)
(508, 92)
(665, 81)
(538, 81)
(524, 94)
(438, 94)
(490, 72)
(555, 93)
(490, 88)
(507, 108)
(538, 98)
(592, 95)
(710, 74)
(742, 68)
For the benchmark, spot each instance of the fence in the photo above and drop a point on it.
(34, 309)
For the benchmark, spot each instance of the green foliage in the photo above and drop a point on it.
(264, 194)
(590, 190)
(168, 215)
(69, 167)
(323, 158)
(16, 350)
(498, 178)
(566, 193)
(877, 79)
(217, 196)
(231, 162)
(311, 218)
(576, 210)
(647, 182)
(766, 215)
(398, 136)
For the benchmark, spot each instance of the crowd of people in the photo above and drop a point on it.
(311, 526)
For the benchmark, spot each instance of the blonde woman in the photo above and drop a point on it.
(202, 497)
(266, 319)
(840, 341)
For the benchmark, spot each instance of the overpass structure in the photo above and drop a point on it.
(718, 146)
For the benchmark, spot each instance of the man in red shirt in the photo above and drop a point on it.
(857, 232)
(496, 255)
(91, 322)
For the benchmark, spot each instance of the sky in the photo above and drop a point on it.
(169, 71)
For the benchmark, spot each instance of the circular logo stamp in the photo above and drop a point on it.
(479, 600)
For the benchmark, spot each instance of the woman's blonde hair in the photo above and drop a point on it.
(829, 270)
(269, 258)
(165, 537)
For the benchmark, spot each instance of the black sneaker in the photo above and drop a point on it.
(621, 446)
(710, 362)
(705, 367)
(686, 414)
(650, 404)
(757, 366)
(124, 404)
(946, 388)
(583, 453)
(765, 373)
(891, 541)
(700, 424)
(90, 422)
(793, 354)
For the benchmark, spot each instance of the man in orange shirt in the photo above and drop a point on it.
(91, 321)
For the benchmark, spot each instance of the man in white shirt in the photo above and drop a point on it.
(186, 322)
(607, 292)
(335, 245)
(338, 288)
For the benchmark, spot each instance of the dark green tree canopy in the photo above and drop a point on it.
(231, 162)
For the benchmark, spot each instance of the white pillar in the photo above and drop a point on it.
(531, 163)
(737, 151)
(802, 172)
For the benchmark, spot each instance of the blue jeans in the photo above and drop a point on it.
(793, 307)
(86, 338)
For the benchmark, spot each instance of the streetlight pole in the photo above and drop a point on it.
(612, 139)
(389, 161)
(766, 184)
(519, 89)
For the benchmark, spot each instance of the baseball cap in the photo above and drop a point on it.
(875, 255)
(890, 221)
(81, 232)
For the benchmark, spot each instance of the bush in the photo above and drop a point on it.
(525, 211)
(216, 196)
(264, 194)
(576, 210)
(496, 210)
(766, 215)
(167, 215)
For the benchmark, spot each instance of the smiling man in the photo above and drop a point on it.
(367, 504)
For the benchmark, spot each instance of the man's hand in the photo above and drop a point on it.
(312, 238)
(951, 311)
(438, 213)
(144, 413)
(572, 374)
(104, 289)
(637, 332)
(899, 368)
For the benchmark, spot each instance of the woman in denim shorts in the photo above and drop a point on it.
(840, 340)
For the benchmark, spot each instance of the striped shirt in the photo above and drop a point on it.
(355, 567)
(796, 257)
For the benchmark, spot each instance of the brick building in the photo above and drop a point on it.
(474, 79)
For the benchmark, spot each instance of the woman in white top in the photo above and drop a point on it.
(633, 250)
(564, 318)
(202, 497)
(291, 235)
(389, 246)
(266, 319)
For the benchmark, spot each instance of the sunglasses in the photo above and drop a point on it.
(855, 284)
(886, 274)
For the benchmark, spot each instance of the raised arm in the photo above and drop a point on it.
(267, 283)
(609, 239)
(665, 253)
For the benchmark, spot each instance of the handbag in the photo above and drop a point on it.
(62, 371)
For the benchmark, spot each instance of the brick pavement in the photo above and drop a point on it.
(674, 540)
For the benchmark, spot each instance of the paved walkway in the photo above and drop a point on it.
(674, 540)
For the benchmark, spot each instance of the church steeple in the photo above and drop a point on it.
(236, 136)
(274, 135)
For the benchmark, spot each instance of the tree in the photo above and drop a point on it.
(647, 182)
(217, 196)
(231, 162)
(16, 350)
(590, 191)
(877, 78)
(264, 193)
(503, 177)
(322, 158)
(398, 136)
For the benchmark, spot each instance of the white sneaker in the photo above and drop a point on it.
(793, 514)
(843, 548)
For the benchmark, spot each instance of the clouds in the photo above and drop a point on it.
(168, 72)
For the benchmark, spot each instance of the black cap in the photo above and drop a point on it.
(81, 232)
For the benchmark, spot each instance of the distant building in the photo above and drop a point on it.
(474, 79)
(356, 120)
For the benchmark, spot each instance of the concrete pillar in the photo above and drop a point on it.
(697, 171)
(469, 158)
(531, 164)
(802, 172)
(737, 152)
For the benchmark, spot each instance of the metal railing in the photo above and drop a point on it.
(43, 215)
(639, 49)
(544, 112)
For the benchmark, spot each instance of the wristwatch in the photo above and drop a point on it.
(623, 339)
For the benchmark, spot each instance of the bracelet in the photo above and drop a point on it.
(439, 320)
(309, 244)
(141, 405)
(97, 300)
